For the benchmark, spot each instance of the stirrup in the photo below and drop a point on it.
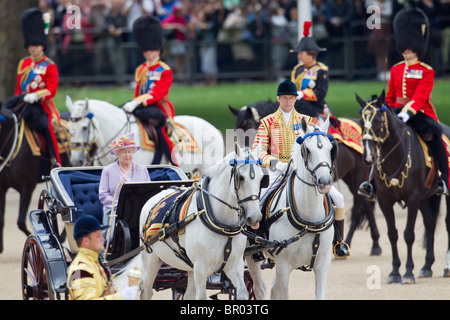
(341, 250)
(442, 189)
(366, 190)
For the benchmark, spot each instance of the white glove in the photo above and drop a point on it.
(281, 166)
(31, 97)
(300, 95)
(404, 116)
(129, 293)
(130, 106)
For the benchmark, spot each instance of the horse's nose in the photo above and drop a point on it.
(253, 222)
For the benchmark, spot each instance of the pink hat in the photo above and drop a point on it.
(126, 141)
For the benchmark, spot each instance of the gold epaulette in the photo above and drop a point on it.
(138, 73)
(399, 63)
(49, 60)
(323, 66)
(19, 67)
(423, 64)
(164, 65)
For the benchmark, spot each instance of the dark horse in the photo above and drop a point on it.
(349, 167)
(22, 173)
(399, 175)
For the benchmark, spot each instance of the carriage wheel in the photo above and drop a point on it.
(36, 283)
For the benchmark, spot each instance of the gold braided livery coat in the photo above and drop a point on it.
(87, 279)
(277, 137)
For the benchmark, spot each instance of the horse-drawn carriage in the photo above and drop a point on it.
(71, 192)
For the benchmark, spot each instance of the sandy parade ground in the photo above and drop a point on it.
(360, 277)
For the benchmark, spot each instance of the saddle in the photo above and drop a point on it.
(168, 212)
(36, 140)
(178, 134)
(348, 133)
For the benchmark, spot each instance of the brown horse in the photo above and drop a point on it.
(23, 171)
(399, 175)
(349, 167)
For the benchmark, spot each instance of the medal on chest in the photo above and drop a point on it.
(414, 74)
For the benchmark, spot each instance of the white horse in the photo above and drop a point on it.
(230, 194)
(93, 124)
(304, 221)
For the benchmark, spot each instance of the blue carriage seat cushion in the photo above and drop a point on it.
(85, 198)
(82, 187)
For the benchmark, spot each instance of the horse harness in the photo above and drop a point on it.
(294, 218)
(296, 221)
(206, 214)
(397, 179)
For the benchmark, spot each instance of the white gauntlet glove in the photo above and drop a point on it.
(300, 95)
(130, 106)
(404, 116)
(129, 293)
(31, 97)
(281, 166)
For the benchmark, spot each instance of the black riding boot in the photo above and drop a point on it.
(437, 148)
(341, 250)
(51, 150)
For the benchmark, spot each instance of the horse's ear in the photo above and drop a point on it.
(69, 103)
(382, 96)
(233, 110)
(325, 125)
(237, 150)
(86, 104)
(361, 102)
(304, 124)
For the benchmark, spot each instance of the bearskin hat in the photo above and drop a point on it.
(148, 33)
(307, 43)
(33, 28)
(411, 31)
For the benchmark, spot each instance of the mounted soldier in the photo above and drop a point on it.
(311, 78)
(154, 78)
(409, 93)
(37, 82)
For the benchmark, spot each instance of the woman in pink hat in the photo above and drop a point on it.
(121, 171)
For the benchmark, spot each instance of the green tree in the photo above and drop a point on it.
(11, 43)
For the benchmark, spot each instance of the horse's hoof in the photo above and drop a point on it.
(446, 272)
(376, 251)
(394, 279)
(425, 273)
(408, 280)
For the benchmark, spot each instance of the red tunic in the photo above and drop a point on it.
(410, 86)
(40, 77)
(153, 83)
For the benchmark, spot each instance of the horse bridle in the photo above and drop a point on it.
(368, 115)
(88, 145)
(300, 140)
(235, 174)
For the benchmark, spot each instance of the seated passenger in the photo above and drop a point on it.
(121, 171)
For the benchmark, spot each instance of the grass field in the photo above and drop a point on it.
(211, 103)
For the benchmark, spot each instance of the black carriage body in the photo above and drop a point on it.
(73, 192)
